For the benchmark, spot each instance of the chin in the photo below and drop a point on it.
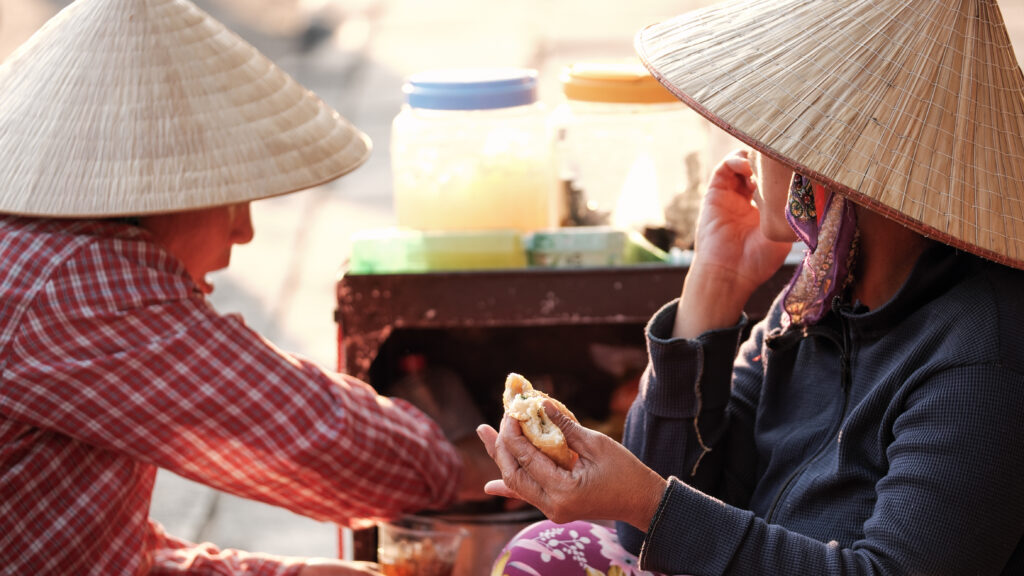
(204, 285)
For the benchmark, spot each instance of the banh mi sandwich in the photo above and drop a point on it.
(526, 404)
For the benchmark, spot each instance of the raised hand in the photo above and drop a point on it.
(732, 256)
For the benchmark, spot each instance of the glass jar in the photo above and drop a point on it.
(629, 153)
(471, 150)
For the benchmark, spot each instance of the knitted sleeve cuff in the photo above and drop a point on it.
(678, 540)
(686, 376)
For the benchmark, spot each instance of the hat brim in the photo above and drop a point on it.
(797, 81)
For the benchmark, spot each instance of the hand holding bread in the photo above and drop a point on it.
(526, 404)
(584, 485)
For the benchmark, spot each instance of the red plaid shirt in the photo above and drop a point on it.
(114, 364)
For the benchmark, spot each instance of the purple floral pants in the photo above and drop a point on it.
(577, 548)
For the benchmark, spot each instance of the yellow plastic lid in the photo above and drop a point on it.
(623, 82)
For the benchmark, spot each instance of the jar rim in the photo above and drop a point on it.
(621, 81)
(471, 88)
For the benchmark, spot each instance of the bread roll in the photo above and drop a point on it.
(526, 404)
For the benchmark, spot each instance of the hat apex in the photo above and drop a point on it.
(127, 107)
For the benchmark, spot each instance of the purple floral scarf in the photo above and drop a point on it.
(831, 240)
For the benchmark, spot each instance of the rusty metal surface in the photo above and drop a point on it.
(371, 307)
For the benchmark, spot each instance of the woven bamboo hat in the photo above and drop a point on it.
(911, 108)
(128, 107)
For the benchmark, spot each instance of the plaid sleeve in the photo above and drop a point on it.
(121, 352)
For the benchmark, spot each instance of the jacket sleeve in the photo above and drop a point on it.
(150, 370)
(946, 506)
(694, 416)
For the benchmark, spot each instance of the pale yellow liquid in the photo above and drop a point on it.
(476, 198)
(476, 170)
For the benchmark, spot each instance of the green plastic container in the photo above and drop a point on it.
(576, 247)
(595, 246)
(639, 250)
(404, 251)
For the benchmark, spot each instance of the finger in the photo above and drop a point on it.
(516, 481)
(517, 478)
(574, 433)
(741, 170)
(737, 163)
(510, 425)
(499, 488)
(734, 173)
(533, 462)
(488, 436)
(520, 461)
(503, 456)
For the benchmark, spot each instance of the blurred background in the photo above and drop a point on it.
(355, 55)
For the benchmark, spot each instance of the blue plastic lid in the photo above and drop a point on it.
(471, 89)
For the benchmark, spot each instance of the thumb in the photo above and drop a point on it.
(573, 431)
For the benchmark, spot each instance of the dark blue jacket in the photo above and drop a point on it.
(877, 442)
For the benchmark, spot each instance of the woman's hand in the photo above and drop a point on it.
(607, 482)
(328, 567)
(732, 257)
(729, 231)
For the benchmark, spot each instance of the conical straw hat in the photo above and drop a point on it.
(912, 108)
(125, 107)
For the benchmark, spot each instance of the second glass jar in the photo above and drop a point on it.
(629, 153)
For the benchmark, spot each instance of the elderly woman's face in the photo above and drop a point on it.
(773, 179)
(202, 239)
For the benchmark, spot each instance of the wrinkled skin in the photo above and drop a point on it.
(742, 240)
(592, 489)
